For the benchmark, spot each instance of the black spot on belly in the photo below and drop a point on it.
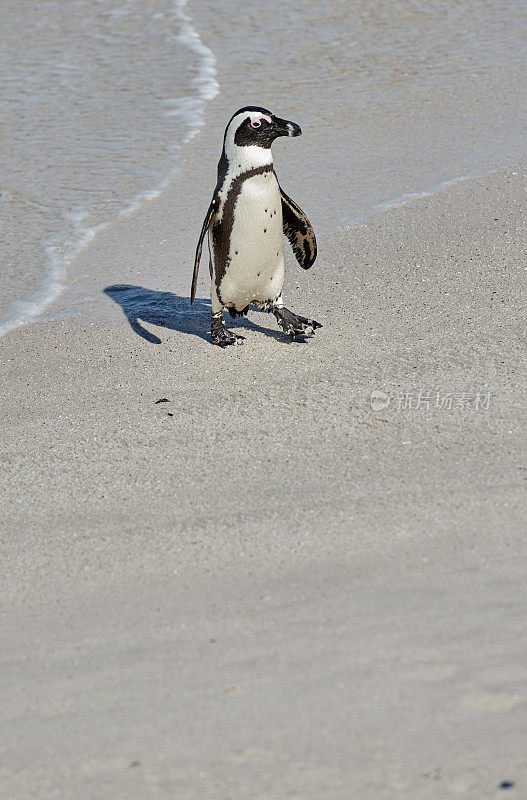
(265, 230)
(235, 253)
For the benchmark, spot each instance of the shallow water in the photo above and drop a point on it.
(396, 99)
(98, 98)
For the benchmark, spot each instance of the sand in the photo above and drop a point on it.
(264, 588)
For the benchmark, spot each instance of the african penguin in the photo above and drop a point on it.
(247, 216)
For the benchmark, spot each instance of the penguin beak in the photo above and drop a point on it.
(282, 127)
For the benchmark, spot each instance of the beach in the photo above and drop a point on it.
(286, 569)
(276, 590)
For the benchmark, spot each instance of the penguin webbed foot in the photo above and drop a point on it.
(221, 336)
(295, 326)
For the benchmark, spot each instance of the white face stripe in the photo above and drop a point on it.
(234, 124)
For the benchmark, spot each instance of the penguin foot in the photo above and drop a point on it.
(294, 325)
(223, 337)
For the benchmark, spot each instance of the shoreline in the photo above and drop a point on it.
(56, 281)
(63, 246)
(430, 349)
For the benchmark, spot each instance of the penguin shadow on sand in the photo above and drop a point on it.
(172, 311)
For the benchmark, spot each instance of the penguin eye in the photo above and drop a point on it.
(255, 123)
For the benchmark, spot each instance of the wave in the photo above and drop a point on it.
(404, 199)
(61, 251)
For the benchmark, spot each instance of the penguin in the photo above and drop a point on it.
(245, 223)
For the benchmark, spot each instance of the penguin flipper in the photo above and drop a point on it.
(204, 228)
(299, 231)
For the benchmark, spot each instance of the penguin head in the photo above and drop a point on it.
(253, 126)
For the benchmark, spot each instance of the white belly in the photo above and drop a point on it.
(255, 273)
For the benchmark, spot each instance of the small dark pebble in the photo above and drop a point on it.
(169, 414)
(506, 784)
(162, 400)
(213, 641)
(134, 763)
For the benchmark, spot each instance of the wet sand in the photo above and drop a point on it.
(263, 587)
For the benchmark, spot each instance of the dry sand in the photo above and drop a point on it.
(263, 588)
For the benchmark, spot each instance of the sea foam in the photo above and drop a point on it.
(77, 230)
